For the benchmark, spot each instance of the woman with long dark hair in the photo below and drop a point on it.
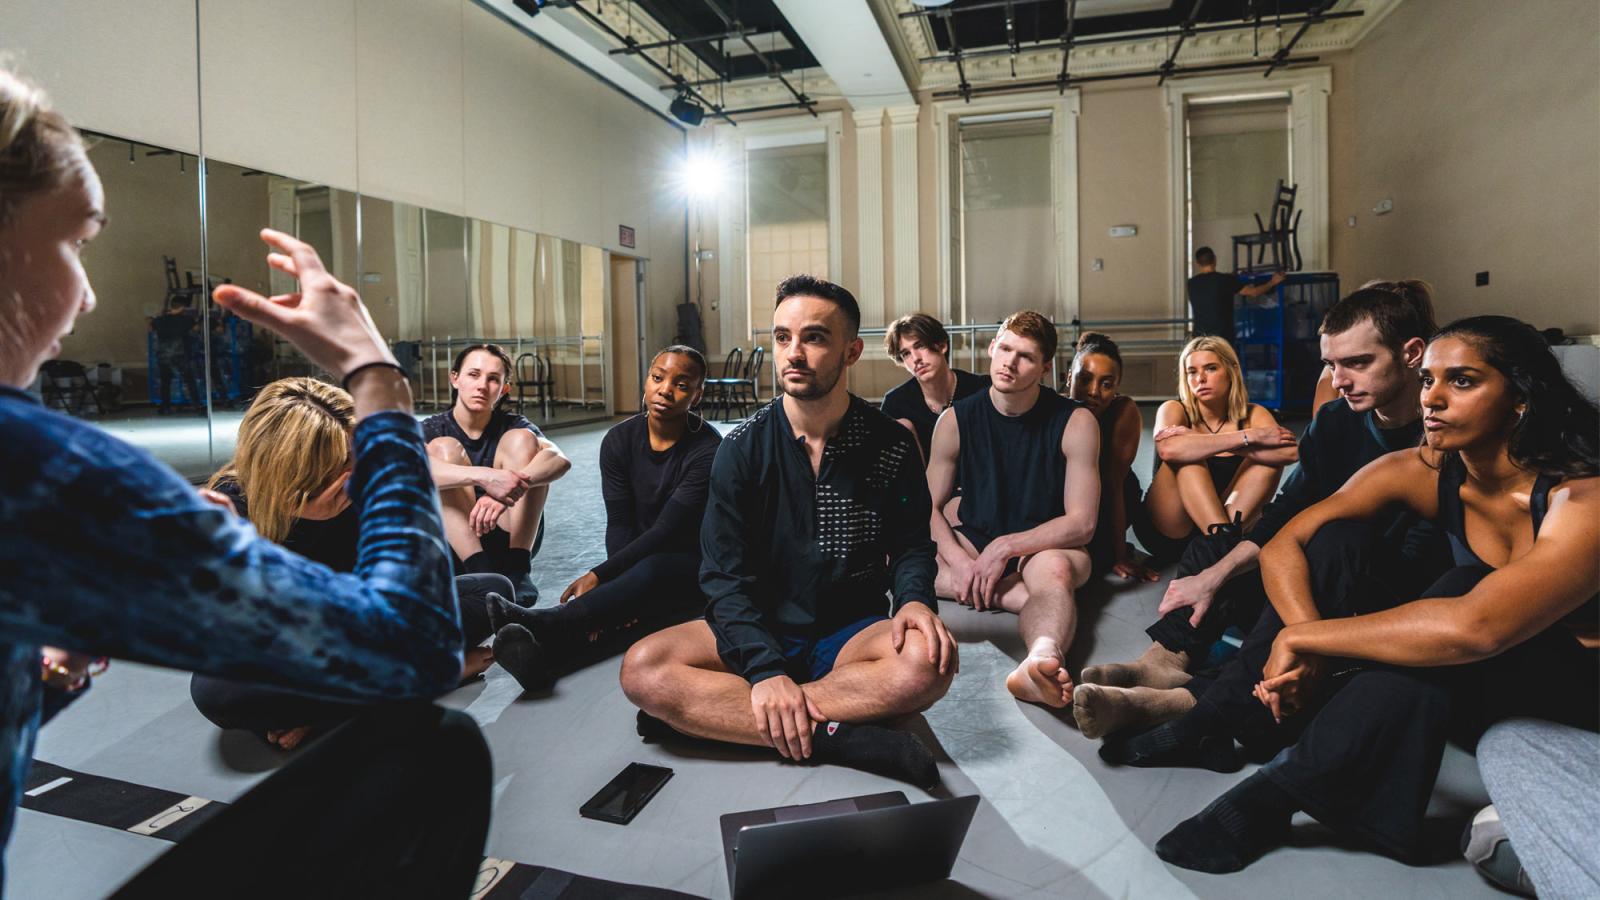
(1093, 380)
(1508, 472)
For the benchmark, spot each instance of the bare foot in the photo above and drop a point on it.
(1102, 710)
(476, 661)
(288, 738)
(1158, 667)
(1041, 679)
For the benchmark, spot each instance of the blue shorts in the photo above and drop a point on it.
(811, 658)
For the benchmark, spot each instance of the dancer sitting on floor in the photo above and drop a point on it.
(1366, 698)
(654, 472)
(1029, 459)
(288, 477)
(1218, 456)
(1372, 344)
(919, 343)
(818, 507)
(108, 552)
(1093, 380)
(493, 469)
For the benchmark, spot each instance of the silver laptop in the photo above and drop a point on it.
(843, 846)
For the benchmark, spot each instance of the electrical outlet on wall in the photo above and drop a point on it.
(1481, 279)
(1098, 265)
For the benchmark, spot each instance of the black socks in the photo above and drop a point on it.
(870, 748)
(1173, 745)
(520, 653)
(1234, 831)
(875, 749)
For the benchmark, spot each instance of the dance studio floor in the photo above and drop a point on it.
(1055, 821)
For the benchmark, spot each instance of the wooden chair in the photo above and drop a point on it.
(1279, 235)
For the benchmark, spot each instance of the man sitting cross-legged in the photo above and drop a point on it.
(818, 506)
(1028, 461)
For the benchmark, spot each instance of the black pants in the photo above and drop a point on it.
(1367, 759)
(660, 590)
(1238, 601)
(234, 704)
(175, 360)
(395, 803)
(1353, 570)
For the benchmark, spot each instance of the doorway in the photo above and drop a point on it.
(627, 333)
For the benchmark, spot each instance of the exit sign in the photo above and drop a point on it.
(625, 235)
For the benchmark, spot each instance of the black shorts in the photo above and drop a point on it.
(980, 540)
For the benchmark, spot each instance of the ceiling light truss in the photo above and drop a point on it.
(678, 81)
(966, 92)
(1167, 69)
(801, 101)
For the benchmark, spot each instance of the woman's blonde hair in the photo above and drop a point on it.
(294, 442)
(1238, 397)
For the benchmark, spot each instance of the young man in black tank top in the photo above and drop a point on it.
(1028, 462)
(815, 534)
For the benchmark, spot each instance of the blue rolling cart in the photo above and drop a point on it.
(1276, 338)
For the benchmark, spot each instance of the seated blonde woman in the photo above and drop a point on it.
(1218, 456)
(288, 478)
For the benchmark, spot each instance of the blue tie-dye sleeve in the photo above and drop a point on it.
(106, 551)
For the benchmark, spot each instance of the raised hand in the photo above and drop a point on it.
(325, 319)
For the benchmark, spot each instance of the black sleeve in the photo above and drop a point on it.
(728, 570)
(912, 563)
(1300, 491)
(617, 492)
(681, 513)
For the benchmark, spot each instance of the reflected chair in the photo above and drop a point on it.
(535, 381)
(65, 384)
(719, 391)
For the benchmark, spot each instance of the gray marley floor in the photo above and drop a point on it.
(1056, 821)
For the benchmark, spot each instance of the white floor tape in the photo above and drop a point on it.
(1047, 796)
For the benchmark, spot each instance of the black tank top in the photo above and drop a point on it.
(1011, 467)
(1453, 516)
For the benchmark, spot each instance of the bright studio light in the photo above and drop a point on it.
(702, 177)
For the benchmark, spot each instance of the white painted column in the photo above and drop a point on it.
(904, 221)
(869, 193)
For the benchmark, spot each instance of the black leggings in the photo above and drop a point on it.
(257, 708)
(395, 803)
(660, 590)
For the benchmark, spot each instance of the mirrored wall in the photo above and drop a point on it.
(163, 367)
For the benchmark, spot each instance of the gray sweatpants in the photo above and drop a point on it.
(1544, 779)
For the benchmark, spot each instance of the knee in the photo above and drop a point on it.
(641, 673)
(1404, 695)
(1054, 569)
(448, 450)
(516, 448)
(917, 678)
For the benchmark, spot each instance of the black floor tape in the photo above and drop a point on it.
(172, 816)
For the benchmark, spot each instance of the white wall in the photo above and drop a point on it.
(438, 103)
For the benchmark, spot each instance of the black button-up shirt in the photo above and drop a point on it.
(788, 553)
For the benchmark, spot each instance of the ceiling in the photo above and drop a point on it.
(975, 24)
(746, 57)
